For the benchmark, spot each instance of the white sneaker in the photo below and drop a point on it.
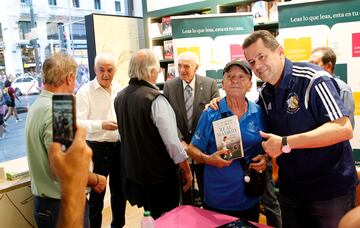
(18, 120)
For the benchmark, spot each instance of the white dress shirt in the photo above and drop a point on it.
(191, 84)
(164, 119)
(94, 105)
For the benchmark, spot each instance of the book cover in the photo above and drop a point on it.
(158, 50)
(228, 136)
(155, 30)
(168, 49)
(273, 10)
(166, 26)
(170, 71)
(260, 11)
(161, 76)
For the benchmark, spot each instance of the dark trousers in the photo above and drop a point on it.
(327, 213)
(251, 214)
(46, 212)
(106, 158)
(157, 198)
(270, 201)
(188, 197)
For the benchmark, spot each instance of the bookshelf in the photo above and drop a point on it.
(155, 19)
(160, 41)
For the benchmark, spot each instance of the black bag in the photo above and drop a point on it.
(256, 185)
(254, 181)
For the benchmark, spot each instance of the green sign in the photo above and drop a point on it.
(319, 13)
(214, 26)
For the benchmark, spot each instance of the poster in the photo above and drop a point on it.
(305, 26)
(215, 38)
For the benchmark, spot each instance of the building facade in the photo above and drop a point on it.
(30, 30)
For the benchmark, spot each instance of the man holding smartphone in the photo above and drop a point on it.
(59, 75)
(95, 112)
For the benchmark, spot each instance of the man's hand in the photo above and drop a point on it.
(186, 175)
(272, 145)
(72, 166)
(101, 185)
(259, 163)
(216, 160)
(185, 145)
(109, 125)
(213, 103)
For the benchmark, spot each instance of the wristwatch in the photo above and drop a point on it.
(285, 147)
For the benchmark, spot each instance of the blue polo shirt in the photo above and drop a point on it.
(224, 187)
(306, 98)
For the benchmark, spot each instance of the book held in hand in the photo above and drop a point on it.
(228, 136)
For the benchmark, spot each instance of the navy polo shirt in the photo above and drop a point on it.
(306, 98)
(224, 187)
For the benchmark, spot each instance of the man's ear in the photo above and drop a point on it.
(328, 67)
(69, 78)
(280, 50)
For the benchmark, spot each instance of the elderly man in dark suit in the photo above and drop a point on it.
(188, 95)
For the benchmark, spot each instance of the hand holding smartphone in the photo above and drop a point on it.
(64, 119)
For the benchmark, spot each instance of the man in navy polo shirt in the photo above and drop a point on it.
(310, 132)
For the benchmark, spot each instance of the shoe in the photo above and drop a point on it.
(18, 120)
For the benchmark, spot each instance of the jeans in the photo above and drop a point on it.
(46, 211)
(106, 158)
(327, 213)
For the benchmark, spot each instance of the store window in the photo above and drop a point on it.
(24, 29)
(23, 1)
(52, 31)
(117, 6)
(97, 4)
(79, 31)
(76, 3)
(52, 2)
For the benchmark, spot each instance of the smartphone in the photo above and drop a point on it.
(239, 223)
(64, 119)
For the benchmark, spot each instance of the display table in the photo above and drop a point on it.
(189, 216)
(16, 199)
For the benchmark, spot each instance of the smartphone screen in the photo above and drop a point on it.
(64, 119)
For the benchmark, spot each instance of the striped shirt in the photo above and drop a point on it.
(306, 98)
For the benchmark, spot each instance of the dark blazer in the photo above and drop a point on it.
(205, 90)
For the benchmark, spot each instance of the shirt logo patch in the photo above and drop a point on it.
(292, 103)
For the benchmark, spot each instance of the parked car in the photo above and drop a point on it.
(25, 85)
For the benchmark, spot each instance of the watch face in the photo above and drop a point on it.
(286, 149)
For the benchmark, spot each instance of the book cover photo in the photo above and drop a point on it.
(228, 136)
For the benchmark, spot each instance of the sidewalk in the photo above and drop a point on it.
(14, 144)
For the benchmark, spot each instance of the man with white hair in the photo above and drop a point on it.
(150, 148)
(188, 95)
(95, 111)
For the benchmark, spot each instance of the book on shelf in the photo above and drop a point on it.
(170, 71)
(155, 30)
(260, 11)
(245, 7)
(273, 10)
(228, 136)
(166, 26)
(158, 50)
(168, 49)
(161, 76)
